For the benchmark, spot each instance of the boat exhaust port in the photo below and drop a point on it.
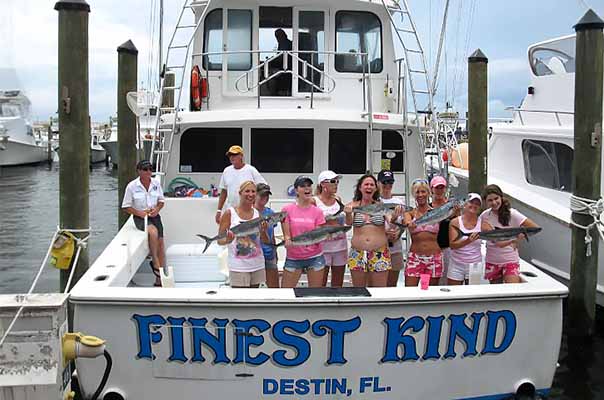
(76, 345)
(525, 390)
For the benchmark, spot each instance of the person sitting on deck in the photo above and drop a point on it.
(143, 199)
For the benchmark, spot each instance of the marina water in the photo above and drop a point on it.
(29, 206)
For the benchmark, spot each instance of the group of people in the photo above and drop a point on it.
(375, 257)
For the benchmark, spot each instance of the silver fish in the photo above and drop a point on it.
(246, 228)
(501, 234)
(318, 235)
(376, 209)
(441, 213)
(337, 213)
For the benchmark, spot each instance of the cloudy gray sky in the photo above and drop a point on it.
(503, 29)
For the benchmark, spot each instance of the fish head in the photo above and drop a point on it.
(276, 217)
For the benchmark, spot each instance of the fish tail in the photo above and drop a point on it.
(208, 241)
(460, 234)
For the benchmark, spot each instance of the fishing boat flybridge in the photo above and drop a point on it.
(330, 93)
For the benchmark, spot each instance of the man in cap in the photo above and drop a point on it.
(143, 199)
(233, 176)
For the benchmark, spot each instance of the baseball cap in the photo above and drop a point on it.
(437, 181)
(327, 175)
(474, 196)
(144, 163)
(302, 179)
(263, 188)
(234, 150)
(385, 175)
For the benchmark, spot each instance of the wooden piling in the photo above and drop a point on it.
(126, 122)
(74, 149)
(586, 169)
(477, 121)
(49, 144)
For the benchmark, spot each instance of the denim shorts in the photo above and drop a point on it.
(317, 263)
(270, 263)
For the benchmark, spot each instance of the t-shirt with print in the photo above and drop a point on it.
(267, 249)
(507, 254)
(232, 178)
(397, 246)
(301, 220)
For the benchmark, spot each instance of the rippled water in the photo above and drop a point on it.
(29, 207)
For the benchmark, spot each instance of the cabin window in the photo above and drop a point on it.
(553, 58)
(195, 141)
(275, 35)
(348, 151)
(239, 38)
(311, 38)
(548, 164)
(212, 40)
(282, 150)
(393, 158)
(358, 32)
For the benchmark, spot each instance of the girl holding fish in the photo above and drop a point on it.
(302, 216)
(369, 257)
(502, 263)
(335, 250)
(425, 255)
(245, 256)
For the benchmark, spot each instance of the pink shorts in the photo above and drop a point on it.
(418, 264)
(496, 271)
(337, 258)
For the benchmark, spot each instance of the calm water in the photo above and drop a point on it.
(29, 208)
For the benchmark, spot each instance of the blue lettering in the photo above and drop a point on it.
(365, 382)
(300, 345)
(245, 339)
(469, 336)
(287, 386)
(395, 336)
(269, 386)
(302, 387)
(176, 339)
(216, 343)
(338, 385)
(145, 336)
(435, 327)
(337, 330)
(493, 318)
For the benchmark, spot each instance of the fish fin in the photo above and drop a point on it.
(208, 241)
(460, 234)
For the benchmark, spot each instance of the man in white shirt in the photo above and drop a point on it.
(144, 197)
(232, 177)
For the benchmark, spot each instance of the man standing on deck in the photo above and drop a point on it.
(144, 197)
(232, 177)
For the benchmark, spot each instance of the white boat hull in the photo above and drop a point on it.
(97, 155)
(111, 150)
(17, 153)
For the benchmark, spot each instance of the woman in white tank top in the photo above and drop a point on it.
(465, 250)
(245, 256)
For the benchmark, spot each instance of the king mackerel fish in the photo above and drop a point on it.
(439, 214)
(318, 235)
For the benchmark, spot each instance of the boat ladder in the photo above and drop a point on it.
(172, 80)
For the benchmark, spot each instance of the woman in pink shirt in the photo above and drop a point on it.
(502, 260)
(302, 216)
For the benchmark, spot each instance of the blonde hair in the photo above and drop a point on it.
(246, 184)
(419, 185)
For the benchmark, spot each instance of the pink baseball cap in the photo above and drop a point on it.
(437, 181)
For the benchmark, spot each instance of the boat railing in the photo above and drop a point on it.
(556, 113)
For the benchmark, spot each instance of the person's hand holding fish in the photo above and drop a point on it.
(230, 236)
(473, 237)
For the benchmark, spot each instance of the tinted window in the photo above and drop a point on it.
(548, 164)
(282, 150)
(239, 37)
(358, 32)
(392, 141)
(311, 37)
(212, 40)
(348, 151)
(202, 149)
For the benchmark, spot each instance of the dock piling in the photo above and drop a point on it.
(126, 122)
(477, 121)
(586, 170)
(74, 139)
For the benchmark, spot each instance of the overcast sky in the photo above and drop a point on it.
(502, 29)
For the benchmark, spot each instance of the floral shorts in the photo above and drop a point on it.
(418, 264)
(369, 261)
(496, 271)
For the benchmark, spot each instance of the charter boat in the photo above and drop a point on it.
(18, 145)
(108, 140)
(539, 143)
(97, 152)
(335, 96)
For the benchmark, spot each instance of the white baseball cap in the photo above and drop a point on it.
(327, 175)
(474, 196)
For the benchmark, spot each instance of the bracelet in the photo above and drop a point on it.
(218, 211)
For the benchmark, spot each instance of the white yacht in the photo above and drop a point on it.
(333, 95)
(17, 142)
(97, 152)
(539, 142)
(108, 140)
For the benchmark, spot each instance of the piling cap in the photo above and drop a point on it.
(590, 20)
(72, 5)
(127, 47)
(478, 56)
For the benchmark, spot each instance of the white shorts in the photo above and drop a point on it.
(458, 271)
(247, 279)
(337, 258)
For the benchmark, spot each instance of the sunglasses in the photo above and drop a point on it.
(388, 183)
(420, 180)
(146, 169)
(336, 181)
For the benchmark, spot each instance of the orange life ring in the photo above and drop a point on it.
(195, 88)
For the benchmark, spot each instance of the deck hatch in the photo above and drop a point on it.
(332, 292)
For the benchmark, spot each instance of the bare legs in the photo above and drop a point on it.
(157, 250)
(369, 279)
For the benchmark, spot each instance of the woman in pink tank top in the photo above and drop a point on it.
(464, 241)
